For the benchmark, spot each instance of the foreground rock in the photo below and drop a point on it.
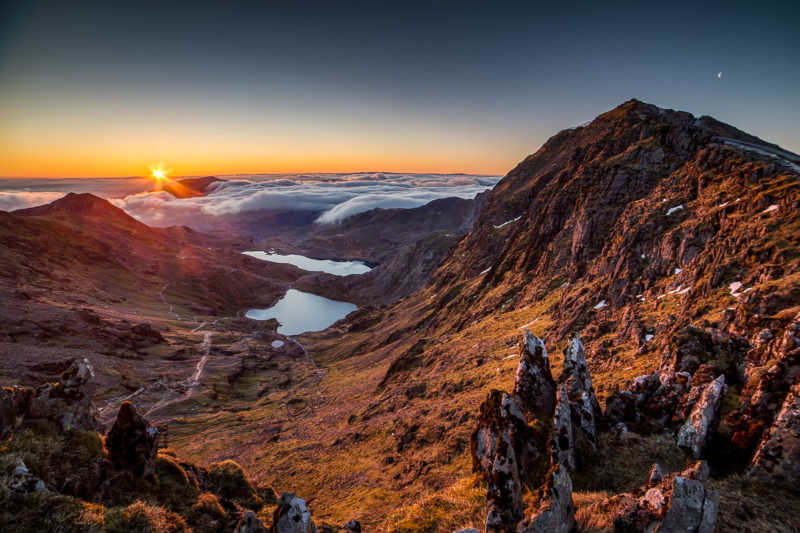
(667, 503)
(575, 377)
(698, 430)
(68, 402)
(562, 447)
(14, 404)
(534, 388)
(777, 459)
(292, 516)
(250, 523)
(503, 447)
(556, 511)
(653, 399)
(132, 443)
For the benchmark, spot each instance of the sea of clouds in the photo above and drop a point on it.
(334, 196)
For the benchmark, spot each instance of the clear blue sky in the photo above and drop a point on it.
(106, 88)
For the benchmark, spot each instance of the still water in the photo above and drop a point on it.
(339, 268)
(299, 312)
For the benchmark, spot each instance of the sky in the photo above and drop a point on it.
(91, 89)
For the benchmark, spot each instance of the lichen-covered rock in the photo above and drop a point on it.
(250, 523)
(132, 443)
(575, 377)
(562, 448)
(292, 516)
(693, 347)
(534, 388)
(777, 458)
(556, 510)
(503, 448)
(701, 425)
(666, 503)
(68, 402)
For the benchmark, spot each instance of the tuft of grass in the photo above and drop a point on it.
(750, 506)
(228, 481)
(462, 505)
(207, 515)
(586, 516)
(144, 518)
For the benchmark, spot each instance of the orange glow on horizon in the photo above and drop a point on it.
(160, 173)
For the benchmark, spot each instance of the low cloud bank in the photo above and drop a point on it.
(13, 200)
(335, 196)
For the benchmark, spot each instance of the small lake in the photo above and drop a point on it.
(338, 268)
(299, 312)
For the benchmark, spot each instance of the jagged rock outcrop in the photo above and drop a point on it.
(667, 503)
(577, 381)
(534, 388)
(292, 516)
(250, 523)
(653, 397)
(556, 510)
(562, 446)
(503, 449)
(761, 398)
(693, 347)
(777, 458)
(132, 443)
(68, 402)
(701, 425)
(22, 482)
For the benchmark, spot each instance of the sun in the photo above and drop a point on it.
(159, 172)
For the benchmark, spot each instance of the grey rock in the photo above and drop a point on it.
(562, 448)
(132, 443)
(534, 388)
(698, 429)
(68, 402)
(556, 511)
(292, 516)
(578, 382)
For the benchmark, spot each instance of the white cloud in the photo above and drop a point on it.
(13, 200)
(334, 196)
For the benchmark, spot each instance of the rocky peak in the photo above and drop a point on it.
(534, 388)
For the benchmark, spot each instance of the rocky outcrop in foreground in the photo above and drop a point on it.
(292, 516)
(132, 443)
(556, 511)
(777, 458)
(577, 381)
(534, 388)
(668, 503)
(698, 430)
(503, 448)
(69, 401)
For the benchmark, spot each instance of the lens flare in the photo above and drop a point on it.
(159, 172)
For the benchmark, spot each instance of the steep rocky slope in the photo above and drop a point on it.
(669, 242)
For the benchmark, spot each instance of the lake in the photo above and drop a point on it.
(299, 312)
(338, 268)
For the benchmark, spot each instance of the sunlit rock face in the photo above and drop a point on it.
(701, 425)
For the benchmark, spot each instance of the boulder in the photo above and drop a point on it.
(132, 443)
(556, 510)
(504, 447)
(68, 402)
(562, 448)
(292, 516)
(578, 383)
(701, 425)
(250, 523)
(534, 388)
(354, 526)
(667, 503)
(777, 457)
(692, 347)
